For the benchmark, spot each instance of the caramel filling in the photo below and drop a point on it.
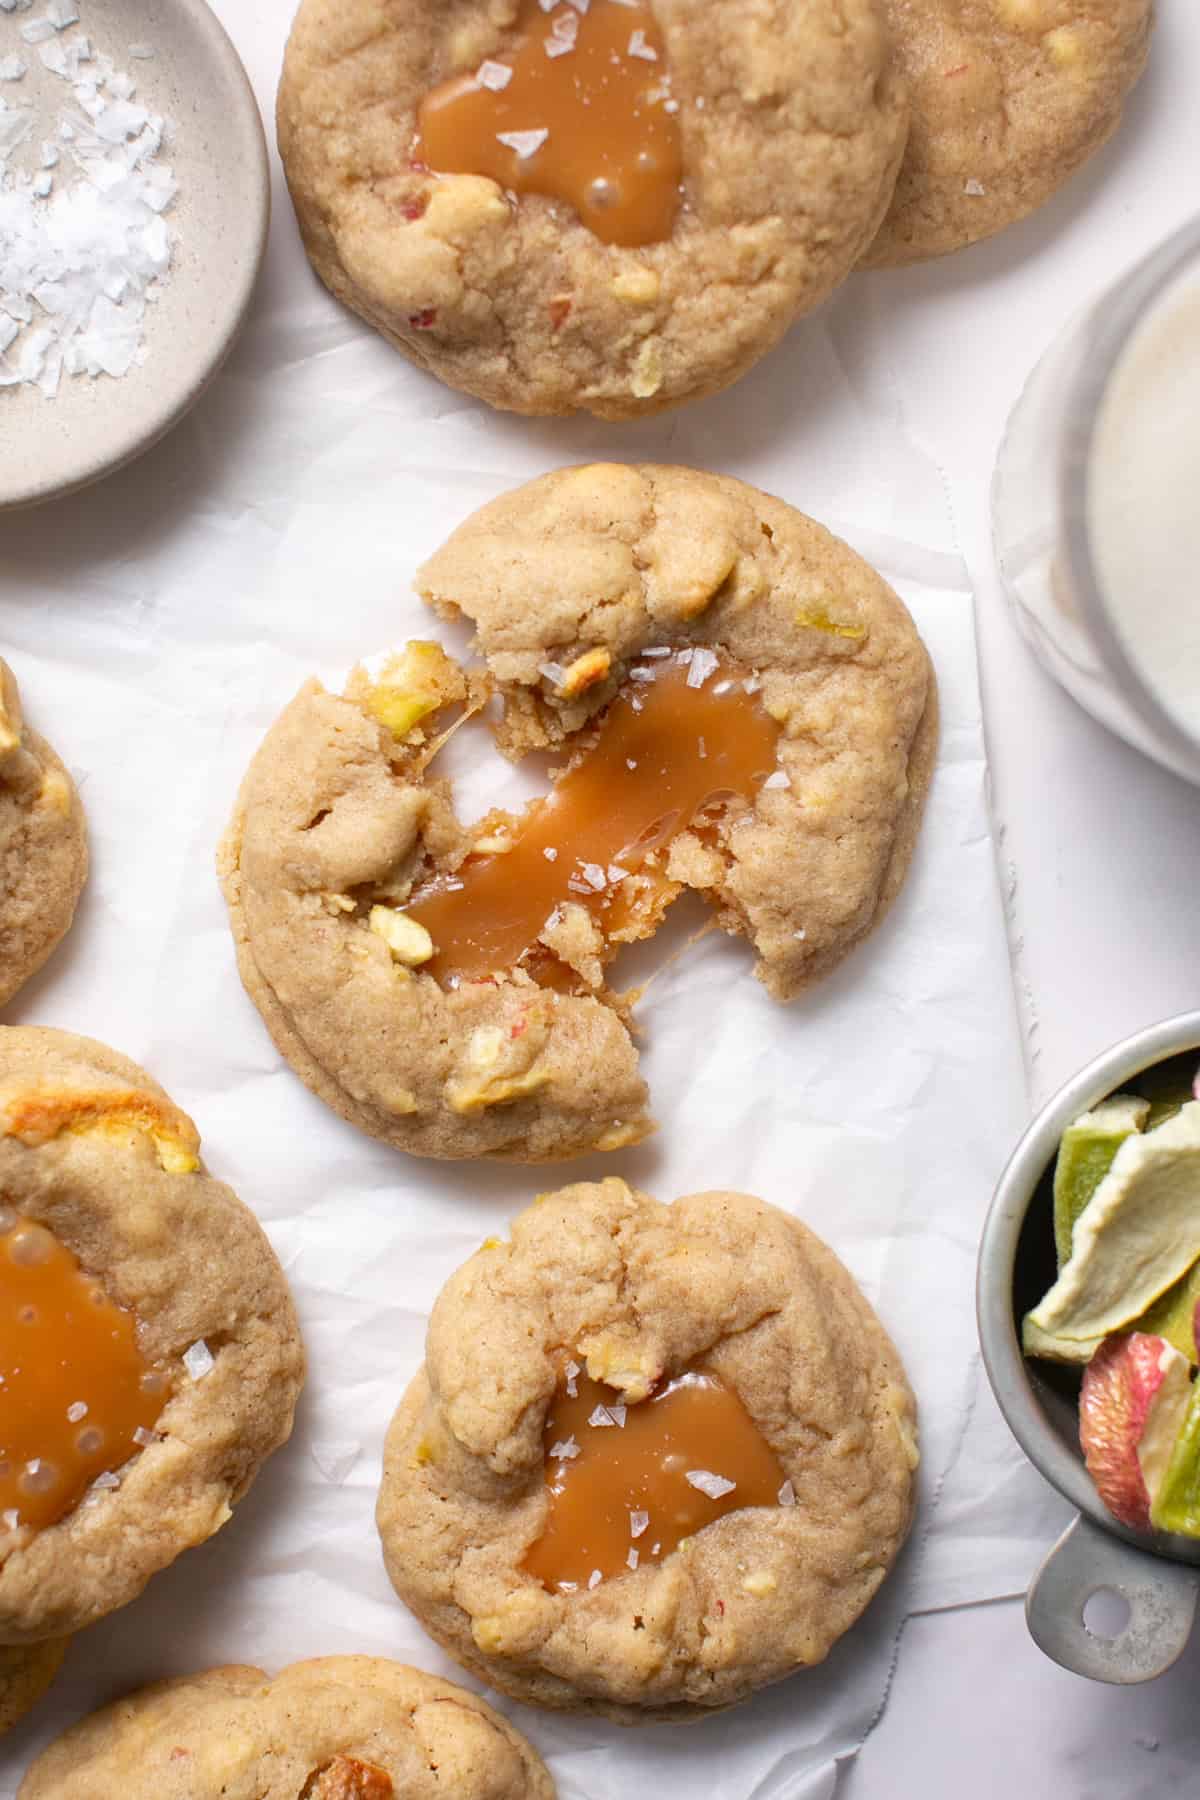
(682, 734)
(346, 1778)
(77, 1397)
(626, 1484)
(580, 111)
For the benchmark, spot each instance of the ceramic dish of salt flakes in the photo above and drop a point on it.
(134, 205)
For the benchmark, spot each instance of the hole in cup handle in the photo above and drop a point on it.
(1161, 1597)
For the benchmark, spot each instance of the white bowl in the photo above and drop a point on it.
(219, 221)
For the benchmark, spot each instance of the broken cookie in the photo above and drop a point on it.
(740, 706)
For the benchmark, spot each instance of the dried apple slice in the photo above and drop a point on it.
(1137, 1237)
(1174, 1315)
(1176, 1504)
(1085, 1155)
(1132, 1404)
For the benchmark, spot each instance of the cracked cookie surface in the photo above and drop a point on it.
(793, 122)
(567, 582)
(43, 845)
(1009, 99)
(337, 1728)
(93, 1150)
(638, 1292)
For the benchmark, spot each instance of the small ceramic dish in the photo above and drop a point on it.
(218, 221)
(1156, 1574)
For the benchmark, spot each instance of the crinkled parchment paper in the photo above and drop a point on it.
(158, 624)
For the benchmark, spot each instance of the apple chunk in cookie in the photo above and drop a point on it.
(658, 1456)
(738, 706)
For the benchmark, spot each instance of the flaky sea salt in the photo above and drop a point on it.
(83, 251)
(571, 1374)
(107, 1480)
(11, 1518)
(525, 143)
(702, 664)
(787, 1494)
(608, 1415)
(198, 1360)
(715, 1486)
(145, 1438)
(564, 34)
(632, 1559)
(639, 47)
(638, 1522)
(595, 1578)
(778, 779)
(493, 75)
(76, 1411)
(566, 1450)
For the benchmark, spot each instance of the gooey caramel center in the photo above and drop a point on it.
(681, 734)
(580, 111)
(75, 1390)
(626, 1484)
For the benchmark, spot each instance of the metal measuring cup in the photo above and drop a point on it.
(1156, 1573)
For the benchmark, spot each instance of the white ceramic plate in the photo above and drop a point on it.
(219, 223)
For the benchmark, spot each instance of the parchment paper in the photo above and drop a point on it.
(158, 624)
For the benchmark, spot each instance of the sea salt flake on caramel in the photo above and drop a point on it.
(715, 1486)
(591, 82)
(644, 1482)
(74, 1404)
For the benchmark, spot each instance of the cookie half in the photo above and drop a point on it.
(744, 708)
(150, 1304)
(658, 1457)
(1009, 99)
(339, 1728)
(43, 845)
(26, 1672)
(777, 128)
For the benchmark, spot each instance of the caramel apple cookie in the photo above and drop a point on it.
(658, 1456)
(741, 707)
(566, 207)
(26, 1671)
(340, 1728)
(148, 1344)
(43, 845)
(1009, 99)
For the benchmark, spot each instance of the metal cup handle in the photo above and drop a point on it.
(1161, 1597)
